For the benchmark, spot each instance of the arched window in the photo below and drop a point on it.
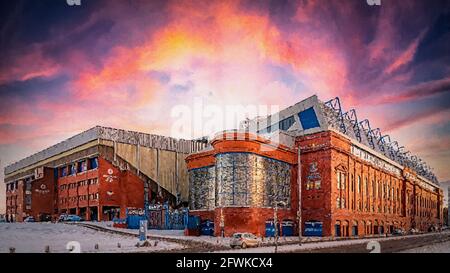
(345, 228)
(337, 228)
(354, 228)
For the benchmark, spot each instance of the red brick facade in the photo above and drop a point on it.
(368, 200)
(246, 219)
(98, 192)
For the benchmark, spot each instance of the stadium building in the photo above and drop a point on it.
(98, 174)
(354, 180)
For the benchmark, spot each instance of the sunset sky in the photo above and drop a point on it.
(127, 63)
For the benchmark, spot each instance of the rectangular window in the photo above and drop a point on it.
(93, 163)
(366, 186)
(286, 123)
(359, 184)
(63, 171)
(72, 169)
(82, 166)
(338, 180)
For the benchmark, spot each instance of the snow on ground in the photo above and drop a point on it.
(34, 237)
(434, 248)
(172, 234)
(179, 234)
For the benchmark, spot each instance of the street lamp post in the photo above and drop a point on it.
(275, 221)
(299, 212)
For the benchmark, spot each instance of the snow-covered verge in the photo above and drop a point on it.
(166, 234)
(34, 237)
(317, 245)
(179, 234)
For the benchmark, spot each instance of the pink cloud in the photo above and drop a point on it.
(416, 92)
(406, 56)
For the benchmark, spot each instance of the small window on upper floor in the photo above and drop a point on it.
(82, 166)
(93, 163)
(72, 169)
(63, 171)
(286, 123)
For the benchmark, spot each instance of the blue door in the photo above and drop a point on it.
(313, 229)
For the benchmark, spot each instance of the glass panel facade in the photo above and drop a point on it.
(241, 180)
(202, 188)
(285, 124)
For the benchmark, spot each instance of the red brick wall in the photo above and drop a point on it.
(43, 195)
(133, 189)
(241, 143)
(77, 191)
(204, 214)
(127, 188)
(244, 219)
(119, 189)
(20, 201)
(331, 151)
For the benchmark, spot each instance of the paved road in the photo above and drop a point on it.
(431, 243)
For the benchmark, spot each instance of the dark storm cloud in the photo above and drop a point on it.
(27, 89)
(125, 59)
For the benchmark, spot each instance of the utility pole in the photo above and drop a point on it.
(146, 201)
(299, 179)
(275, 221)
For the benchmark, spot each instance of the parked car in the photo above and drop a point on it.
(62, 217)
(244, 240)
(29, 219)
(413, 231)
(69, 218)
(73, 218)
(398, 232)
(432, 228)
(45, 218)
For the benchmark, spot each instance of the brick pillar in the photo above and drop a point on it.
(88, 214)
(99, 213)
(123, 212)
